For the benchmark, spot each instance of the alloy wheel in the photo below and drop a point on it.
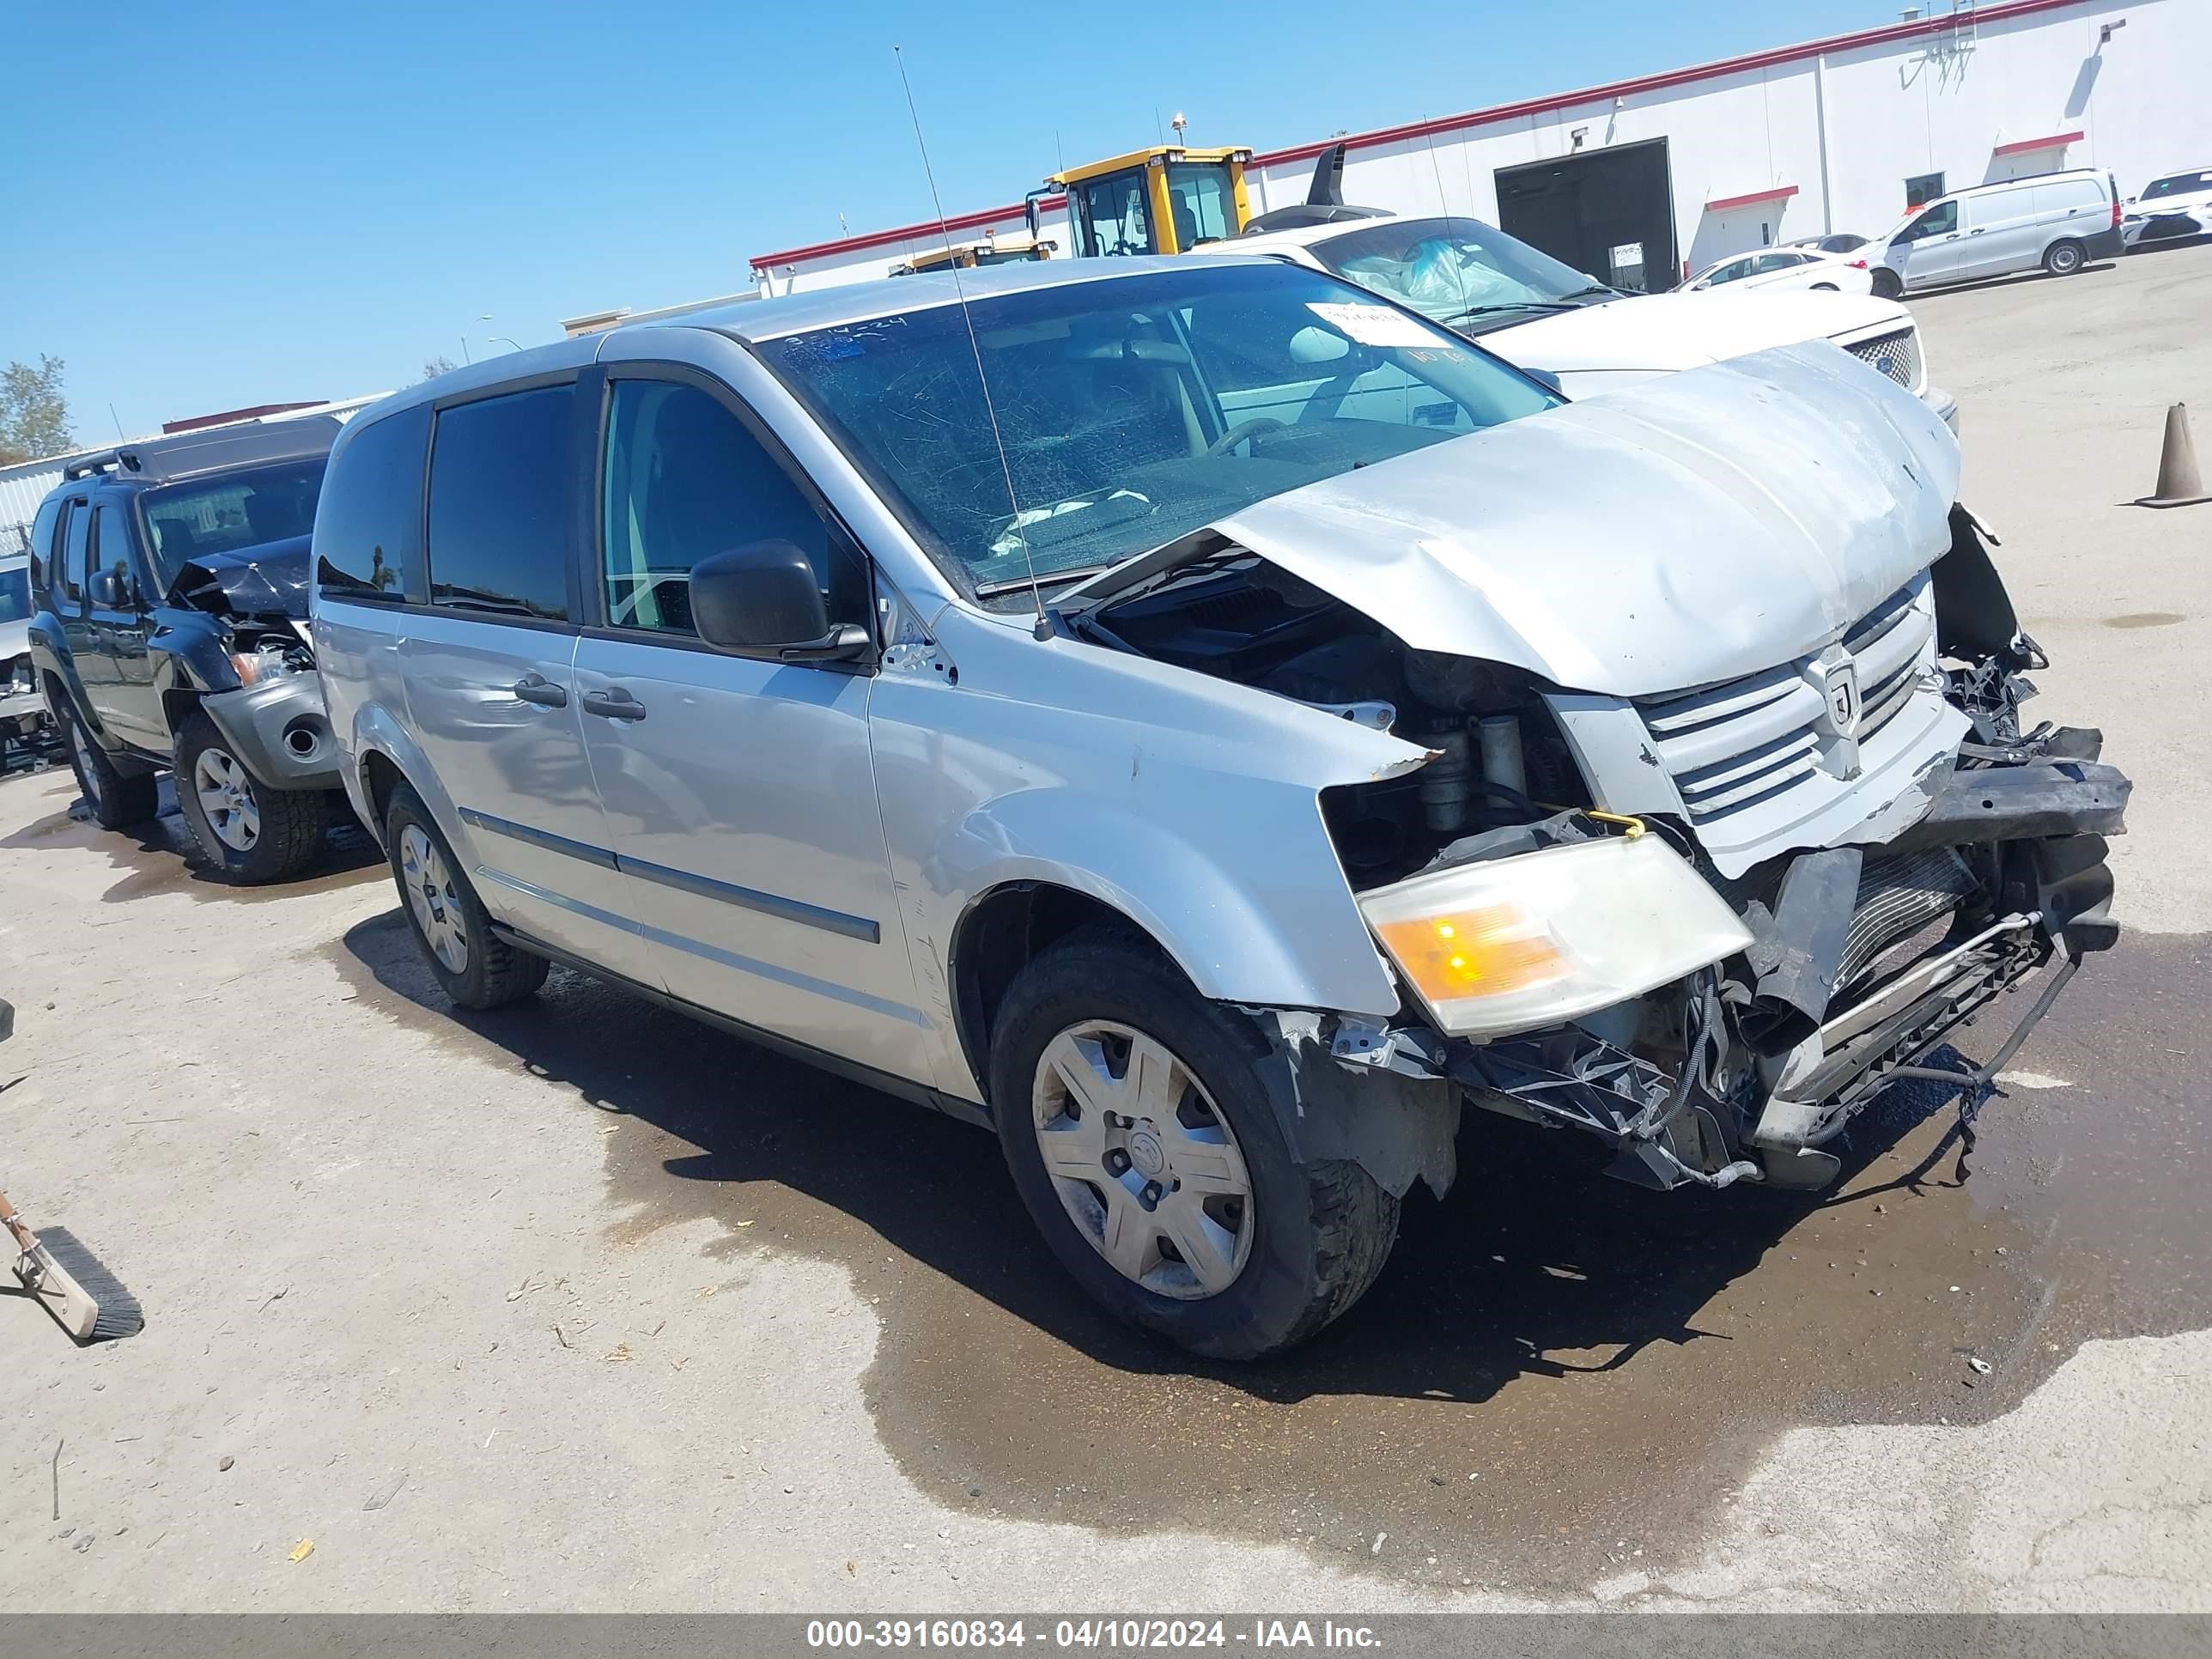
(226, 796)
(430, 889)
(1144, 1162)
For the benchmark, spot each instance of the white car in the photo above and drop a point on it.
(1809, 268)
(2174, 205)
(1546, 317)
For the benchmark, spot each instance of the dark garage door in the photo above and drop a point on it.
(1609, 212)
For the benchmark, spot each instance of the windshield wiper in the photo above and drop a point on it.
(1509, 305)
(1591, 293)
(1044, 579)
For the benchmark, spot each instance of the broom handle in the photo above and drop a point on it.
(15, 1224)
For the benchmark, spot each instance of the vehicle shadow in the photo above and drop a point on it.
(1534, 1264)
(160, 855)
(2011, 278)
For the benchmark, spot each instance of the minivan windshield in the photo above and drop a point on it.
(231, 511)
(1131, 409)
(1457, 270)
(15, 595)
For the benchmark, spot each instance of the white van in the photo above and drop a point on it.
(2059, 220)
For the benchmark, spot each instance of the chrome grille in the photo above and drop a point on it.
(1896, 354)
(1730, 746)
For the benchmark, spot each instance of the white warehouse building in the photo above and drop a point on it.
(1644, 180)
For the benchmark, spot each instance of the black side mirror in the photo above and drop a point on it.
(111, 588)
(1032, 218)
(763, 599)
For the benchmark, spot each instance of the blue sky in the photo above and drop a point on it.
(223, 203)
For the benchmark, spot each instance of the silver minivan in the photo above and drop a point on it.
(1210, 725)
(2058, 222)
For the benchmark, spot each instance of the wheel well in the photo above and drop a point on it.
(176, 707)
(380, 775)
(1001, 933)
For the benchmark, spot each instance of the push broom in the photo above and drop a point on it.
(65, 1278)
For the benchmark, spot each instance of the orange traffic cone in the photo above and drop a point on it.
(2180, 482)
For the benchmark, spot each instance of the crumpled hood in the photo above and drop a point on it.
(268, 580)
(1706, 525)
(1685, 330)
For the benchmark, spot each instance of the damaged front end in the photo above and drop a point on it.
(1707, 926)
(254, 667)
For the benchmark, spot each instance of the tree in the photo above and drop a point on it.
(434, 366)
(34, 416)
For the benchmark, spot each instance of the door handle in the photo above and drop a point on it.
(614, 702)
(536, 687)
(1977, 230)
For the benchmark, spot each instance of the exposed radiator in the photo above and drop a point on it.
(1898, 897)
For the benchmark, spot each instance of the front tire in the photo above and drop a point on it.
(118, 802)
(2064, 259)
(1887, 284)
(1146, 1148)
(249, 833)
(473, 967)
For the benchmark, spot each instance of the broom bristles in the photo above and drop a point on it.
(119, 1314)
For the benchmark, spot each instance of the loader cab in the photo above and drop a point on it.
(1167, 199)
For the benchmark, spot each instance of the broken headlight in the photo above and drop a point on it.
(1512, 944)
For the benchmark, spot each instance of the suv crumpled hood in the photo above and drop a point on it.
(268, 580)
(1707, 525)
(1688, 330)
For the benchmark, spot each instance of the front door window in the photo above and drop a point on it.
(686, 480)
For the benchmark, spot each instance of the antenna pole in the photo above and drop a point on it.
(1443, 206)
(982, 379)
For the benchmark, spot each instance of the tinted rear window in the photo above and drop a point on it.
(499, 496)
(369, 529)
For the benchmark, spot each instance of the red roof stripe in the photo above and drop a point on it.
(1779, 193)
(2022, 146)
(1778, 55)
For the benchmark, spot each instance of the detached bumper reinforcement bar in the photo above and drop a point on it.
(2021, 803)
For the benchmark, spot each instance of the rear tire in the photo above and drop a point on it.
(2064, 259)
(474, 968)
(1887, 284)
(1824, 288)
(249, 833)
(1278, 1249)
(118, 802)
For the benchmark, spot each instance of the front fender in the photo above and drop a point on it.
(1275, 926)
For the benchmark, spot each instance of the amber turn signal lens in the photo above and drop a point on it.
(1473, 953)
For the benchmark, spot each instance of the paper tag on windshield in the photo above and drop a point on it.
(1373, 325)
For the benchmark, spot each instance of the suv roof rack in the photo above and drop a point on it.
(243, 445)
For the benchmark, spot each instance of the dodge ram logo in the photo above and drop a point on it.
(1844, 698)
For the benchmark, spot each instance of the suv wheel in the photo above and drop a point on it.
(1147, 1150)
(2064, 259)
(476, 970)
(118, 802)
(250, 834)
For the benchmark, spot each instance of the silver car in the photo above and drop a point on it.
(1211, 724)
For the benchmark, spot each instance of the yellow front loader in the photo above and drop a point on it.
(1167, 199)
